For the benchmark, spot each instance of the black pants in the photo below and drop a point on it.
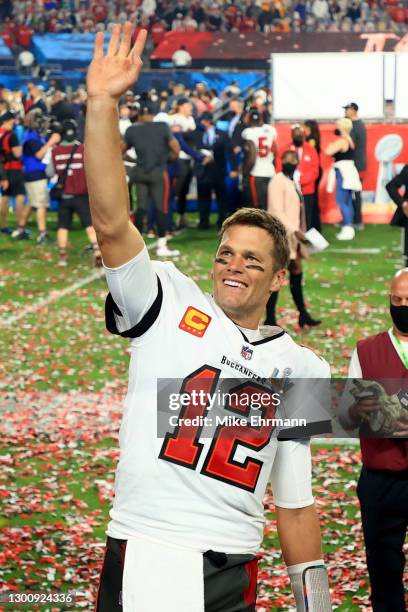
(256, 191)
(204, 192)
(229, 581)
(357, 207)
(183, 184)
(406, 246)
(312, 211)
(68, 206)
(155, 186)
(384, 511)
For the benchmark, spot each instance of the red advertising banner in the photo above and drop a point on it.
(387, 152)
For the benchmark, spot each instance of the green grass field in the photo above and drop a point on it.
(62, 377)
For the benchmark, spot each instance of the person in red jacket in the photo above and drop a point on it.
(383, 485)
(68, 162)
(307, 175)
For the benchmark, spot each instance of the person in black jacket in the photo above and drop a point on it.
(400, 218)
(236, 126)
(154, 144)
(61, 109)
(211, 172)
(359, 138)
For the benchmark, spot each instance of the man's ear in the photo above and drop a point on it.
(278, 280)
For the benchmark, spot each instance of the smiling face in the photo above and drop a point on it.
(244, 274)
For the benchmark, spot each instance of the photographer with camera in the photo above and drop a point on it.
(68, 163)
(36, 154)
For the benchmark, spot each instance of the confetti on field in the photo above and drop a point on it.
(62, 379)
(57, 455)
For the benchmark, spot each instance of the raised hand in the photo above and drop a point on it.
(111, 75)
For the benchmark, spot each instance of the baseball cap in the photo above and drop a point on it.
(7, 116)
(352, 105)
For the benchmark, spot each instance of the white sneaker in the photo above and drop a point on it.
(164, 251)
(346, 233)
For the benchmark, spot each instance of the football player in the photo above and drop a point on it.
(260, 138)
(187, 519)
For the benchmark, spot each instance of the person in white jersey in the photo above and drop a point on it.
(187, 519)
(263, 150)
(185, 120)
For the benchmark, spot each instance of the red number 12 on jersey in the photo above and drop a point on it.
(183, 447)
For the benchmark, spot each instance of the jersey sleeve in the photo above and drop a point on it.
(13, 141)
(274, 133)
(135, 297)
(291, 475)
(355, 366)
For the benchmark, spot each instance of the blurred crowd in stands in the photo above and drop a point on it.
(213, 131)
(22, 18)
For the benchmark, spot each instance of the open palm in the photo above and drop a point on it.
(111, 75)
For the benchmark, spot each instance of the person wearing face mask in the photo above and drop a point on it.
(347, 178)
(285, 202)
(307, 175)
(383, 483)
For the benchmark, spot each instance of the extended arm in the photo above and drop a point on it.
(53, 140)
(334, 147)
(108, 78)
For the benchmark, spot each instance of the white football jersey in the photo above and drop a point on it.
(263, 137)
(183, 488)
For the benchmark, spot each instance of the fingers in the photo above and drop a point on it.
(402, 433)
(114, 41)
(98, 47)
(126, 39)
(139, 45)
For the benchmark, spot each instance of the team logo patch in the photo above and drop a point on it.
(195, 322)
(247, 352)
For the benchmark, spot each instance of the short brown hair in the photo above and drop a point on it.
(291, 153)
(256, 217)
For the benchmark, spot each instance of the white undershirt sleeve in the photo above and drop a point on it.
(291, 475)
(355, 367)
(133, 287)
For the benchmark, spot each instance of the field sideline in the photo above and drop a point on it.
(62, 378)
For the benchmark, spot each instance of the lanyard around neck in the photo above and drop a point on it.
(401, 352)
